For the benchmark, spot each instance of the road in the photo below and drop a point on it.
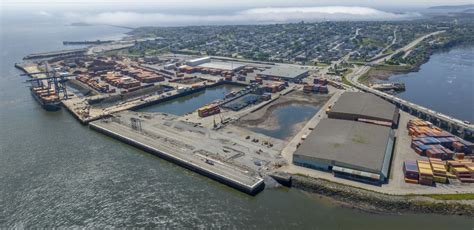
(360, 70)
(406, 48)
(388, 46)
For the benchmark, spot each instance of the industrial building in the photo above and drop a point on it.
(286, 73)
(350, 149)
(226, 66)
(198, 61)
(365, 107)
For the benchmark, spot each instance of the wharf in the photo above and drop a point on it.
(60, 53)
(77, 105)
(96, 42)
(164, 143)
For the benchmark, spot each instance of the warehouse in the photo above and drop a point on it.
(350, 149)
(198, 61)
(226, 66)
(365, 107)
(286, 73)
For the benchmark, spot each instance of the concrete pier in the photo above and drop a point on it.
(227, 174)
(61, 53)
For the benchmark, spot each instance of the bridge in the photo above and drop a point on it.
(450, 124)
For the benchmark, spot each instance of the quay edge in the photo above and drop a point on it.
(252, 189)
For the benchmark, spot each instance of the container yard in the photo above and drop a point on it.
(448, 157)
(113, 86)
(240, 135)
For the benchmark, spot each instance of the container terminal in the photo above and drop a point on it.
(354, 137)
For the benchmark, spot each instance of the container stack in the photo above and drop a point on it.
(431, 141)
(426, 173)
(320, 81)
(463, 146)
(241, 78)
(412, 174)
(266, 96)
(439, 170)
(208, 110)
(462, 169)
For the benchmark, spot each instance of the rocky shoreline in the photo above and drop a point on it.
(370, 201)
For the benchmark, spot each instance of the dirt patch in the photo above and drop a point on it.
(381, 73)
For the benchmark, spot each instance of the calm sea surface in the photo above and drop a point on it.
(445, 83)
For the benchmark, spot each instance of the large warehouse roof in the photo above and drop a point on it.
(350, 144)
(229, 66)
(285, 72)
(366, 104)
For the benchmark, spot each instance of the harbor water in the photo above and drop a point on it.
(55, 172)
(192, 102)
(445, 83)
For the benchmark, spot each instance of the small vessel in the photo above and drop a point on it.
(46, 97)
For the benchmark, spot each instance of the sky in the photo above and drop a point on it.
(204, 12)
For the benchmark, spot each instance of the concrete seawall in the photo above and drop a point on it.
(254, 187)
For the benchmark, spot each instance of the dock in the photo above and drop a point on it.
(60, 53)
(164, 145)
(96, 42)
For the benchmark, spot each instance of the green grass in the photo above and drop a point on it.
(344, 79)
(388, 51)
(392, 67)
(319, 64)
(463, 196)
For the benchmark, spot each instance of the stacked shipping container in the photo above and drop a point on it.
(411, 171)
(462, 169)
(208, 110)
(426, 173)
(439, 170)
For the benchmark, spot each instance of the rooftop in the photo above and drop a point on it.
(346, 142)
(287, 72)
(364, 104)
(229, 66)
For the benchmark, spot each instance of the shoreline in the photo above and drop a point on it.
(385, 72)
(380, 203)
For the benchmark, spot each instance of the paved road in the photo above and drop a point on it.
(406, 48)
(359, 71)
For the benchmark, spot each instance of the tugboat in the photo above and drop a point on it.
(46, 97)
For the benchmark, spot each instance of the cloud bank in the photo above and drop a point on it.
(250, 16)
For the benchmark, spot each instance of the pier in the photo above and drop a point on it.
(162, 141)
(61, 53)
(96, 42)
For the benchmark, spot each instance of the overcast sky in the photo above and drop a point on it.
(196, 12)
(233, 3)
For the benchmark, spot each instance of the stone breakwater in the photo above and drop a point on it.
(378, 202)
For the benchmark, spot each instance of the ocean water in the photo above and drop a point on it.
(192, 102)
(445, 83)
